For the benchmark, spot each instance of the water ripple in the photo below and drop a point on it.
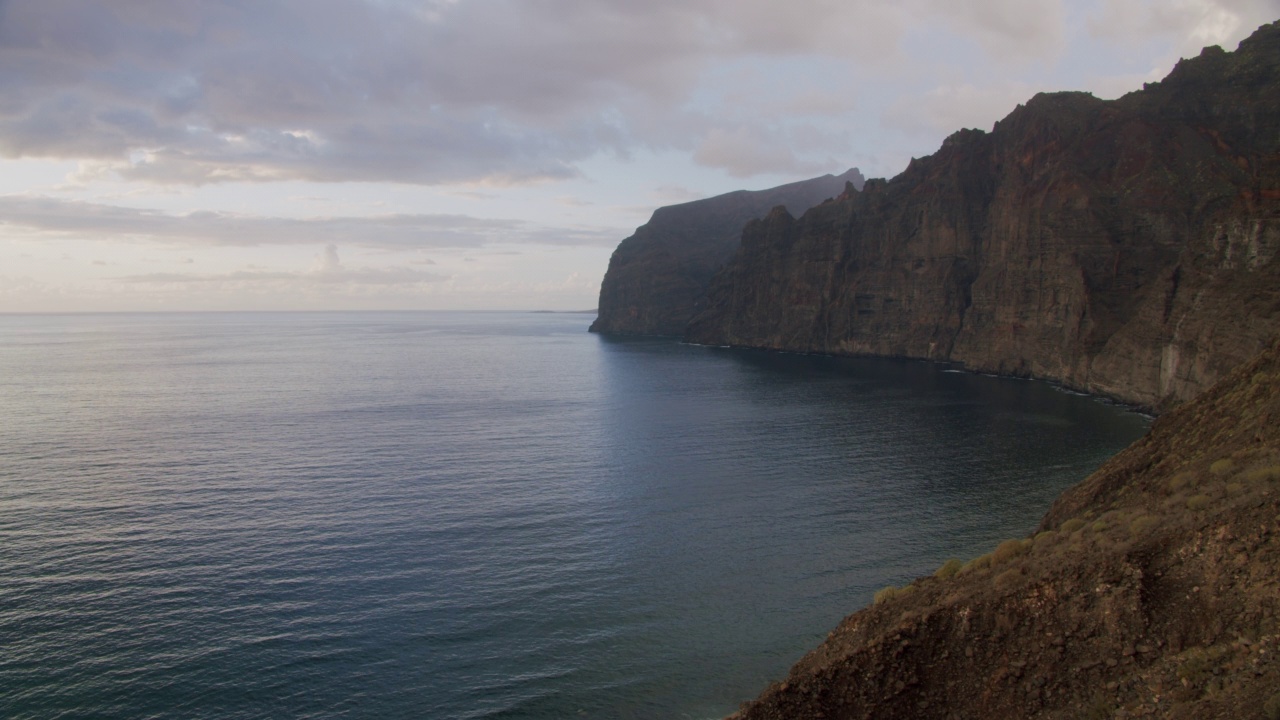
(473, 515)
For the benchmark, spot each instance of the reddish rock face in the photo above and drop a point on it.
(1123, 247)
(657, 277)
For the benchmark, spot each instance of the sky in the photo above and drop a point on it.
(177, 155)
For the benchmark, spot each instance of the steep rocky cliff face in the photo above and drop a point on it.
(657, 276)
(1150, 590)
(1123, 247)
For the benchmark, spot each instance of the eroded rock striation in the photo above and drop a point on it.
(1150, 590)
(657, 277)
(1126, 248)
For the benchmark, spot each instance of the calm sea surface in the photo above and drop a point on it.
(417, 515)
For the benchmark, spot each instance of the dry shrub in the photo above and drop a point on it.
(885, 594)
(979, 563)
(1072, 525)
(1008, 550)
(948, 569)
(1198, 502)
(1263, 474)
(1181, 481)
(1143, 525)
(1008, 579)
(1222, 467)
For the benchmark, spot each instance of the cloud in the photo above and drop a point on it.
(745, 151)
(45, 216)
(1192, 23)
(501, 91)
(947, 108)
(357, 276)
(326, 271)
(327, 262)
(1023, 28)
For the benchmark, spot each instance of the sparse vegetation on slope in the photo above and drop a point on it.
(1149, 590)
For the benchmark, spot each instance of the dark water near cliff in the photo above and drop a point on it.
(474, 515)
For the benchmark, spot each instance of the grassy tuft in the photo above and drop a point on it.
(1142, 525)
(1072, 525)
(885, 594)
(948, 569)
(978, 563)
(1008, 550)
(1008, 579)
(1264, 474)
(1222, 467)
(1198, 502)
(1181, 481)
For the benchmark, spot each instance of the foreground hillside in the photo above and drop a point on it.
(1129, 247)
(658, 276)
(1152, 589)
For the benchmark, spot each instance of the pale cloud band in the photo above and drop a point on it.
(41, 217)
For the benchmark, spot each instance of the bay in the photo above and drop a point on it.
(475, 515)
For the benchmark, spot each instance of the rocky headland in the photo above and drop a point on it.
(658, 276)
(1125, 248)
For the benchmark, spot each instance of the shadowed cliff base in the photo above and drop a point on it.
(1149, 590)
(1126, 248)
(658, 276)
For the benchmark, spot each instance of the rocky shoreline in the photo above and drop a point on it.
(1126, 248)
(1149, 590)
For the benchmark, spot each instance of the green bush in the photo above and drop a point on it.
(1045, 538)
(1072, 525)
(948, 569)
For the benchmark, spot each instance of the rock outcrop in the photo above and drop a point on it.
(1150, 590)
(657, 276)
(1126, 248)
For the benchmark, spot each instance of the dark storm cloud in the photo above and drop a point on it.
(199, 91)
(51, 217)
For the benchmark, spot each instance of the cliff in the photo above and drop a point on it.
(1149, 591)
(657, 276)
(1126, 247)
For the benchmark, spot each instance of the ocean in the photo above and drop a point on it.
(475, 515)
